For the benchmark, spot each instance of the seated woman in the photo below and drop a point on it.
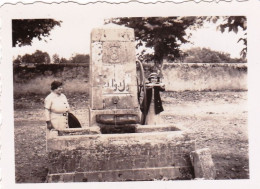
(154, 102)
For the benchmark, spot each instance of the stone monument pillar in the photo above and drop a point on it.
(113, 85)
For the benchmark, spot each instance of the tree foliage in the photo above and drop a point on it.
(162, 34)
(80, 58)
(233, 23)
(56, 58)
(25, 30)
(38, 57)
(44, 58)
(18, 60)
(206, 55)
(64, 60)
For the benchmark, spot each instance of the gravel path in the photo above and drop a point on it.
(217, 120)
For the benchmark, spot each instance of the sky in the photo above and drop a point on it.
(210, 37)
(73, 37)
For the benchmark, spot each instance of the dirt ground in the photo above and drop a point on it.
(216, 120)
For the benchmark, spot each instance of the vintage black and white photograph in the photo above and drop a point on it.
(116, 98)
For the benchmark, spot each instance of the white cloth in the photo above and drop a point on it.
(152, 118)
(56, 110)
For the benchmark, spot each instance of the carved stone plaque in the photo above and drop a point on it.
(114, 52)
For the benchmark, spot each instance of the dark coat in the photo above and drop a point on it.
(73, 121)
(157, 100)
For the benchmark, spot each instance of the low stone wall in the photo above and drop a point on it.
(177, 77)
(23, 74)
(120, 157)
(204, 76)
(37, 79)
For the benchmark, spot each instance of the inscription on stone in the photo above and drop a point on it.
(117, 86)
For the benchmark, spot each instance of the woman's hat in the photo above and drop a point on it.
(55, 85)
(153, 75)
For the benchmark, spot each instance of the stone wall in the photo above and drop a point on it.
(178, 77)
(206, 76)
(37, 79)
(120, 157)
(23, 74)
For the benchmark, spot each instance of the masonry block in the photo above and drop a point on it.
(112, 69)
(116, 157)
(203, 165)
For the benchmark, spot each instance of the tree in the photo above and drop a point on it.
(80, 58)
(206, 55)
(233, 23)
(56, 58)
(18, 60)
(63, 60)
(162, 34)
(25, 30)
(37, 57)
(41, 57)
(27, 58)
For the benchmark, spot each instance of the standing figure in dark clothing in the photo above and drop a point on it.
(154, 102)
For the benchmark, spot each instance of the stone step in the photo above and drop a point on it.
(141, 174)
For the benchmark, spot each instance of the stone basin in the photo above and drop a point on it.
(112, 129)
(151, 153)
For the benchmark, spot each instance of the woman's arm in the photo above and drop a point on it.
(47, 112)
